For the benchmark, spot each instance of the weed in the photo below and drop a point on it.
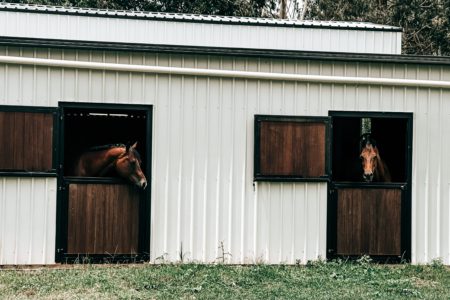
(223, 255)
(437, 263)
(364, 260)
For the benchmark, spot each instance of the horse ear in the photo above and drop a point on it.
(134, 145)
(377, 152)
(127, 147)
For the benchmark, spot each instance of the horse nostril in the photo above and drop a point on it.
(144, 185)
(368, 177)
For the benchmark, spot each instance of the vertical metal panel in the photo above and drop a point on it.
(291, 222)
(204, 204)
(27, 220)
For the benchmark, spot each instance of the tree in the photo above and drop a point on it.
(249, 8)
(425, 23)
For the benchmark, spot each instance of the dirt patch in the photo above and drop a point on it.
(419, 282)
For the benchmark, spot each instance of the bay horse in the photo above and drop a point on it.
(102, 160)
(374, 168)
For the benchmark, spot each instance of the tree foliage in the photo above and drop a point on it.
(249, 8)
(425, 23)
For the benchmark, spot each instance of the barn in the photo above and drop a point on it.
(248, 131)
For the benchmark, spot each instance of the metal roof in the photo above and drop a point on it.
(192, 17)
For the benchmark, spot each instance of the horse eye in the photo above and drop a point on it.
(133, 162)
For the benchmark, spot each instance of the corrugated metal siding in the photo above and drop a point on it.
(27, 220)
(202, 190)
(119, 30)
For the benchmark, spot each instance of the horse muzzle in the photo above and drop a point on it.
(368, 177)
(142, 184)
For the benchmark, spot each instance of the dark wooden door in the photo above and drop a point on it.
(27, 141)
(293, 149)
(368, 221)
(102, 219)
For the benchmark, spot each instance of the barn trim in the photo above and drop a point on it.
(224, 73)
(223, 51)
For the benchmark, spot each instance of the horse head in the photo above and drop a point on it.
(369, 157)
(128, 165)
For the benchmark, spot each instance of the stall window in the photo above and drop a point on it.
(26, 139)
(291, 148)
(96, 126)
(390, 131)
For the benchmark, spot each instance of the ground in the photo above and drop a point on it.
(321, 280)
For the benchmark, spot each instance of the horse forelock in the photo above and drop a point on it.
(367, 140)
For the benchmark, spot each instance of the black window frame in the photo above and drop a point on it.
(406, 187)
(65, 181)
(406, 116)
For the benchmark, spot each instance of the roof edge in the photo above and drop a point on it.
(219, 51)
(194, 18)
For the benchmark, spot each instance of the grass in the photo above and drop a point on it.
(319, 280)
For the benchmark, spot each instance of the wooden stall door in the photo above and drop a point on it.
(102, 219)
(369, 221)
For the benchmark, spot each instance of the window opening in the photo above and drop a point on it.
(388, 136)
(97, 130)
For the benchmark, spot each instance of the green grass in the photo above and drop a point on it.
(320, 280)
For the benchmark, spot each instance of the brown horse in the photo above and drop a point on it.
(374, 168)
(100, 161)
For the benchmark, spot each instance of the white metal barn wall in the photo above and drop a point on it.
(31, 21)
(27, 220)
(203, 195)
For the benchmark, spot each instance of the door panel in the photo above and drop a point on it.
(102, 219)
(27, 141)
(369, 221)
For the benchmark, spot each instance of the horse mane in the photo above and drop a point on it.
(382, 171)
(105, 147)
(109, 146)
(73, 168)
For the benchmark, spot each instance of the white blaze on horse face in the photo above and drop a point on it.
(369, 161)
(139, 177)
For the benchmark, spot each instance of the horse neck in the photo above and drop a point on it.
(110, 156)
(382, 172)
(114, 153)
